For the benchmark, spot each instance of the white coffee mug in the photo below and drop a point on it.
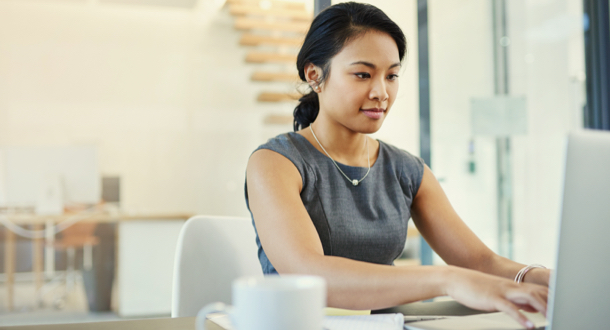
(294, 302)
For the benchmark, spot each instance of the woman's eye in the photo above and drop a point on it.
(363, 75)
(393, 77)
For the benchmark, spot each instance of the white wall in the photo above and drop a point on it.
(162, 92)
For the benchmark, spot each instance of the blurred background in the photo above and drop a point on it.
(120, 119)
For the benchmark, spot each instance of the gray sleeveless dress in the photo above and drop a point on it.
(367, 222)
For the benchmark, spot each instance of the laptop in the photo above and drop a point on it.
(580, 286)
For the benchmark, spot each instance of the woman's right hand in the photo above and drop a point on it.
(492, 293)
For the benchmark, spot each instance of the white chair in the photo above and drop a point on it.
(212, 251)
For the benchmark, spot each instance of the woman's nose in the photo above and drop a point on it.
(379, 91)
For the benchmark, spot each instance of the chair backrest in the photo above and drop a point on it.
(212, 251)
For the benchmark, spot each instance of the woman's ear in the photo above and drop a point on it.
(313, 75)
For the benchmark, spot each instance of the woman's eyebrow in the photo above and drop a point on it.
(373, 66)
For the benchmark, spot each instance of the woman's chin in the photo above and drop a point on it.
(370, 129)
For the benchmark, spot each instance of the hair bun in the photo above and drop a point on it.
(307, 111)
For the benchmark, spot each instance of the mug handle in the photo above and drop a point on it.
(208, 309)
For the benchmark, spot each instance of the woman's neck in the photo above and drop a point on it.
(343, 145)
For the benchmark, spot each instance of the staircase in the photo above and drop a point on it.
(274, 32)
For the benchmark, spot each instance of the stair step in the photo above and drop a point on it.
(278, 120)
(278, 97)
(248, 39)
(275, 76)
(243, 23)
(272, 4)
(255, 10)
(258, 57)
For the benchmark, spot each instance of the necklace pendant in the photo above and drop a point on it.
(355, 182)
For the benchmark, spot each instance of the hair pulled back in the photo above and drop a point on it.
(330, 30)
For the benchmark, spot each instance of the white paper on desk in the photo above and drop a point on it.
(347, 322)
(496, 321)
(365, 322)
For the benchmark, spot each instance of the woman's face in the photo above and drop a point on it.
(362, 84)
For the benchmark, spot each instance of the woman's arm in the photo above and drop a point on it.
(454, 242)
(292, 245)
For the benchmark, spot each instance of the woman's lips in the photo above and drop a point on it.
(374, 113)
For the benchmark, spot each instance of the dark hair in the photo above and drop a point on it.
(329, 32)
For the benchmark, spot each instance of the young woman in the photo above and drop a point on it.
(329, 200)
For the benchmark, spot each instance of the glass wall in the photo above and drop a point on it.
(506, 84)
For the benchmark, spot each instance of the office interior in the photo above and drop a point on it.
(124, 118)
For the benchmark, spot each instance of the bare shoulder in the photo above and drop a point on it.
(269, 168)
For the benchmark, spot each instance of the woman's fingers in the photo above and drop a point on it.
(528, 299)
(540, 302)
(513, 311)
(535, 297)
(527, 308)
(486, 292)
